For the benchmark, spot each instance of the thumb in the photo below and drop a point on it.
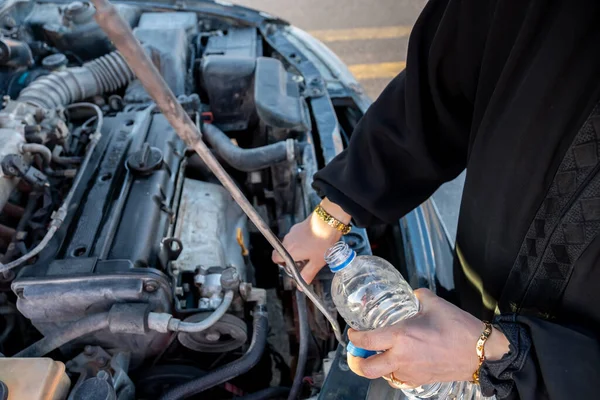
(426, 298)
(276, 257)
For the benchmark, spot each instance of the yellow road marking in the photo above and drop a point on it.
(340, 35)
(380, 70)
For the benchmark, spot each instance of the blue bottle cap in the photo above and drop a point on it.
(344, 263)
(339, 256)
(358, 352)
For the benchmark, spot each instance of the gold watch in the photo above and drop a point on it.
(332, 221)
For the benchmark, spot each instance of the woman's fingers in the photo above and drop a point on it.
(307, 242)
(375, 366)
(378, 339)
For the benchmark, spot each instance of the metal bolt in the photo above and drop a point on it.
(102, 361)
(89, 350)
(151, 286)
(115, 102)
(245, 289)
(230, 279)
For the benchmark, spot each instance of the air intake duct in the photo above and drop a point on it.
(58, 89)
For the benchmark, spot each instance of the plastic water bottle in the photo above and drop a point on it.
(370, 293)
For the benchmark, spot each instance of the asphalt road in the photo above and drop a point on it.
(371, 36)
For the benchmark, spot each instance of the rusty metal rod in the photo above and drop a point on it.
(119, 32)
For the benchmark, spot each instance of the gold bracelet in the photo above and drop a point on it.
(480, 348)
(332, 221)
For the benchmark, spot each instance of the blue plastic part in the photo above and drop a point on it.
(358, 352)
(344, 264)
(23, 78)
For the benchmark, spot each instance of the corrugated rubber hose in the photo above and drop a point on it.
(58, 89)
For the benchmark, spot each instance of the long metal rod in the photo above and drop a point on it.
(119, 32)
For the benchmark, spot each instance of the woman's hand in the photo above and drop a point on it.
(309, 240)
(437, 345)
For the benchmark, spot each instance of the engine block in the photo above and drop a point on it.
(110, 255)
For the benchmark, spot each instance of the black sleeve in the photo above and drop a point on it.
(546, 361)
(415, 136)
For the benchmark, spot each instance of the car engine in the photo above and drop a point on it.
(126, 268)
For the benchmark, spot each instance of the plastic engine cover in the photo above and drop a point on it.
(34, 378)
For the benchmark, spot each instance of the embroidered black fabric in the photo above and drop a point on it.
(497, 87)
(496, 377)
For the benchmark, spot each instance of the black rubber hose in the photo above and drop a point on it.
(84, 326)
(60, 88)
(304, 333)
(231, 370)
(268, 393)
(246, 160)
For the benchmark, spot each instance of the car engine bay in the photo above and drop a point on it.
(126, 268)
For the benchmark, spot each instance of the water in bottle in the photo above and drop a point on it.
(370, 293)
